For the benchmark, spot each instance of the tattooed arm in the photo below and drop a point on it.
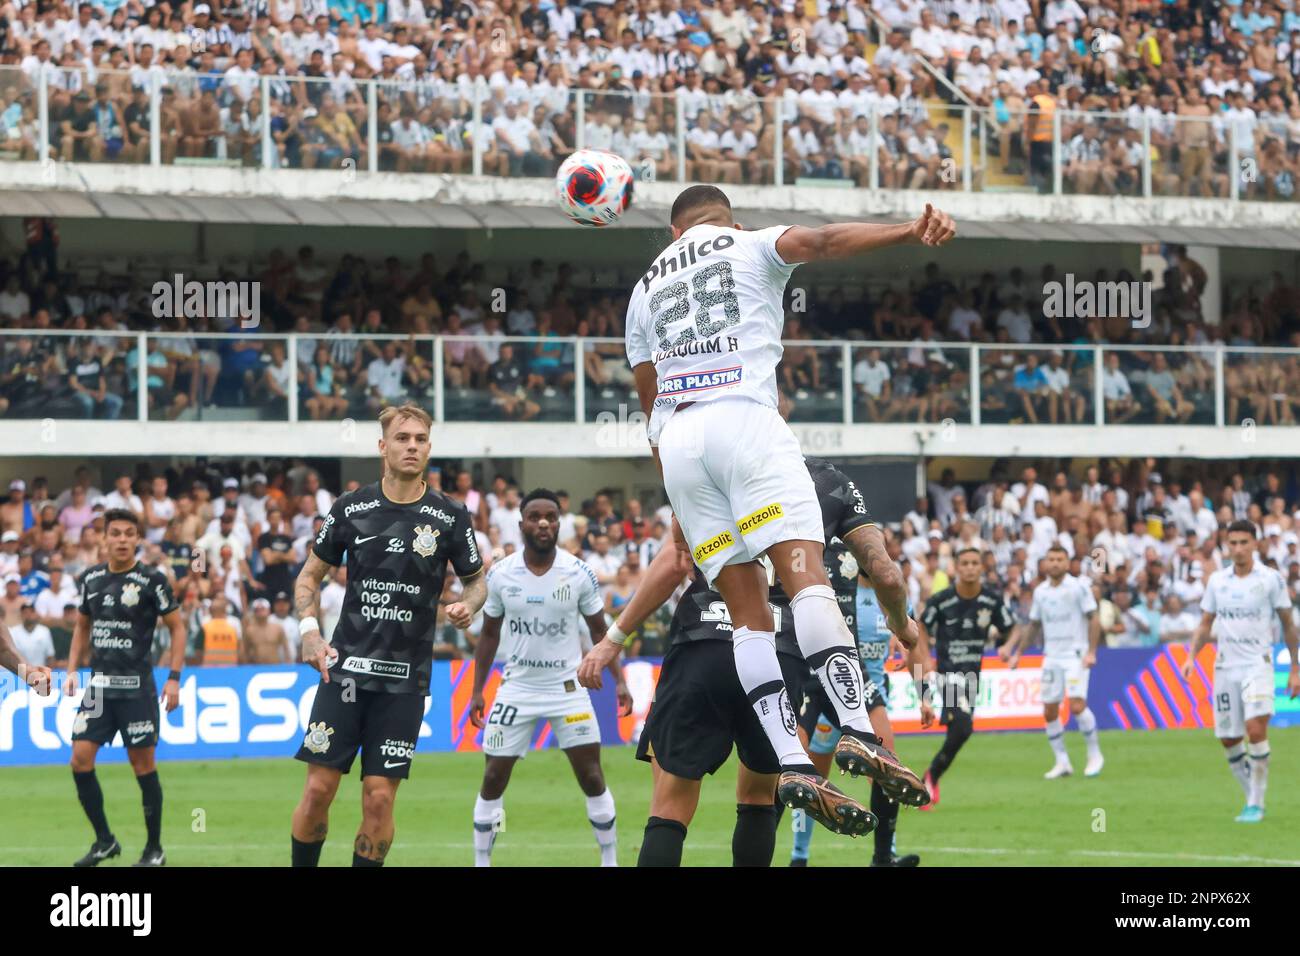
(306, 604)
(868, 546)
(461, 614)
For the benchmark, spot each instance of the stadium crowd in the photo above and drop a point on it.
(341, 310)
(231, 536)
(1191, 75)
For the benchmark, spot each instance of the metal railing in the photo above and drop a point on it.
(252, 375)
(402, 124)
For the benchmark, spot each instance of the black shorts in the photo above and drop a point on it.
(815, 703)
(384, 727)
(700, 710)
(957, 694)
(99, 719)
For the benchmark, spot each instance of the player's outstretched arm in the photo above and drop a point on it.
(921, 665)
(1290, 639)
(306, 603)
(1094, 638)
(596, 624)
(80, 641)
(1201, 638)
(36, 676)
(485, 652)
(461, 614)
(662, 576)
(841, 240)
(868, 546)
(172, 689)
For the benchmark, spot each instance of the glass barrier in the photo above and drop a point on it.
(910, 384)
(513, 378)
(19, 115)
(1268, 156)
(1261, 387)
(1040, 386)
(1158, 386)
(64, 376)
(1000, 154)
(1101, 154)
(1189, 157)
(318, 123)
(811, 382)
(609, 391)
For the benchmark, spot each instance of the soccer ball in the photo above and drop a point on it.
(594, 186)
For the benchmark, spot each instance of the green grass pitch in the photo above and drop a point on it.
(1165, 799)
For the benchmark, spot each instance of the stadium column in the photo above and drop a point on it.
(846, 381)
(1056, 151)
(975, 385)
(875, 147)
(155, 122)
(477, 167)
(681, 139)
(372, 125)
(965, 149)
(142, 378)
(268, 152)
(43, 114)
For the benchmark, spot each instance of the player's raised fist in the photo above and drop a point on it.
(933, 227)
(38, 678)
(460, 616)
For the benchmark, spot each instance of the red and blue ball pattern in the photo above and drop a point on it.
(594, 187)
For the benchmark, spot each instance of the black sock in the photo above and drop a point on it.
(92, 801)
(886, 812)
(754, 840)
(359, 860)
(151, 797)
(306, 854)
(959, 731)
(662, 843)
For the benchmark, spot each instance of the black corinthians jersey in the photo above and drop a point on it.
(123, 609)
(959, 628)
(397, 556)
(702, 614)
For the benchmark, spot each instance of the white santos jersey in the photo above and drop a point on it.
(1063, 611)
(540, 643)
(1244, 612)
(709, 316)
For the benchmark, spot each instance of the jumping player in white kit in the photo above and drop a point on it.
(703, 338)
(1065, 612)
(536, 596)
(1242, 600)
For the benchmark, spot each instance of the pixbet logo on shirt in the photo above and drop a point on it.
(360, 506)
(539, 628)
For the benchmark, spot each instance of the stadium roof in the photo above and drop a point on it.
(392, 213)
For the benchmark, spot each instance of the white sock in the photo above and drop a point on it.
(760, 677)
(600, 813)
(1258, 772)
(1056, 737)
(1088, 727)
(489, 817)
(1239, 766)
(830, 650)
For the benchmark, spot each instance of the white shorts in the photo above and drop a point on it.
(1062, 677)
(737, 482)
(513, 717)
(1241, 694)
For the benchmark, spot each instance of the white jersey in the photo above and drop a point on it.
(1063, 611)
(709, 315)
(540, 642)
(1244, 609)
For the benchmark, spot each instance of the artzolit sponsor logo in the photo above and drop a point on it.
(760, 517)
(719, 542)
